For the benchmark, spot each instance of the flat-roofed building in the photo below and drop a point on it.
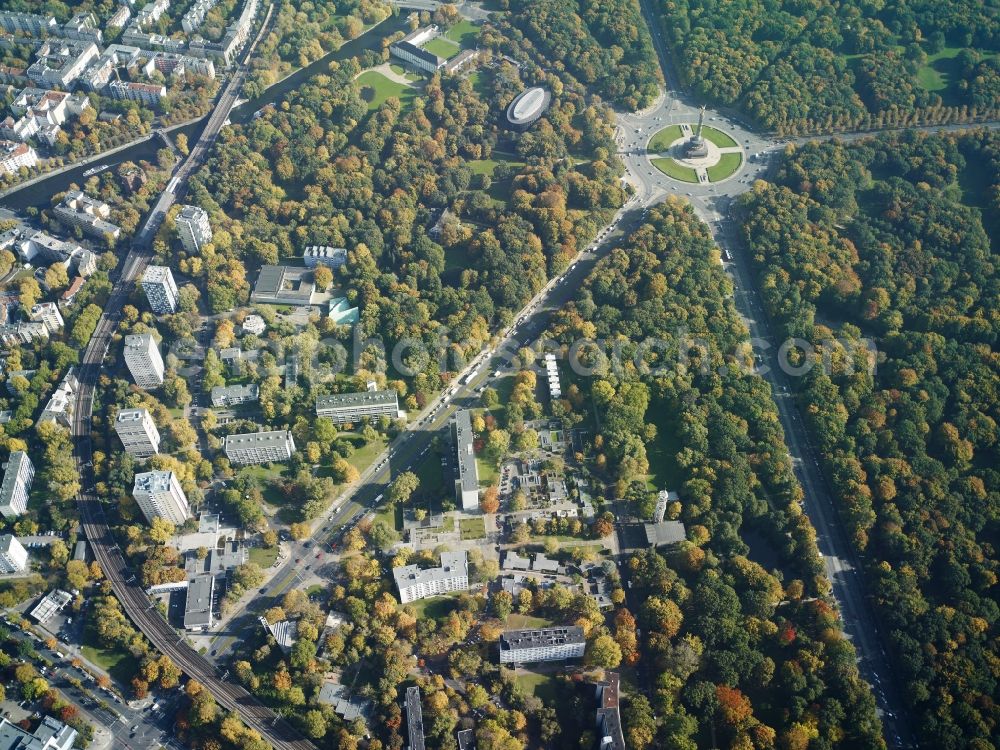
(159, 495)
(53, 602)
(259, 447)
(414, 583)
(410, 50)
(142, 355)
(232, 395)
(542, 644)
(48, 314)
(51, 734)
(467, 484)
(13, 555)
(352, 407)
(609, 722)
(198, 607)
(193, 228)
(528, 107)
(254, 324)
(138, 432)
(161, 289)
(283, 285)
(18, 475)
(414, 719)
(78, 209)
(321, 255)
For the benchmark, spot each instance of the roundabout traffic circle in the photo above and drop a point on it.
(695, 154)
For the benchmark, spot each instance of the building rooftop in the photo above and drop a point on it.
(130, 415)
(51, 603)
(513, 561)
(51, 734)
(557, 636)
(664, 533)
(247, 440)
(414, 719)
(10, 475)
(467, 470)
(249, 392)
(152, 481)
(452, 564)
(284, 285)
(156, 274)
(198, 607)
(353, 400)
(528, 106)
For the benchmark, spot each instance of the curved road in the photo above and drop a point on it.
(96, 528)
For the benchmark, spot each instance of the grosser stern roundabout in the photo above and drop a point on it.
(701, 154)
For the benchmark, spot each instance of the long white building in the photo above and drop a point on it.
(414, 583)
(467, 483)
(19, 472)
(138, 432)
(13, 555)
(259, 447)
(159, 495)
(142, 355)
(544, 644)
(353, 407)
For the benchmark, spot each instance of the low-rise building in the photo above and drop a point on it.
(343, 313)
(467, 483)
(254, 324)
(232, 395)
(353, 407)
(414, 583)
(51, 734)
(542, 644)
(78, 209)
(609, 722)
(13, 555)
(138, 432)
(19, 473)
(409, 49)
(199, 605)
(259, 447)
(665, 533)
(283, 285)
(316, 255)
(53, 602)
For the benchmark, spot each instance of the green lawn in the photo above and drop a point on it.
(472, 528)
(664, 474)
(364, 453)
(376, 88)
(663, 138)
(263, 556)
(464, 32)
(434, 607)
(716, 136)
(671, 168)
(119, 664)
(480, 82)
(431, 477)
(456, 258)
(539, 685)
(487, 472)
(523, 622)
(727, 166)
(442, 48)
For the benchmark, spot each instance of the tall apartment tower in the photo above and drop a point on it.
(142, 355)
(138, 432)
(193, 228)
(13, 555)
(161, 290)
(18, 474)
(159, 495)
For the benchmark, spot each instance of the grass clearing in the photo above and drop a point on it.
(442, 48)
(480, 82)
(726, 167)
(472, 528)
(524, 622)
(487, 472)
(364, 453)
(716, 136)
(662, 452)
(435, 607)
(376, 88)
(263, 556)
(539, 685)
(671, 168)
(119, 664)
(464, 33)
(663, 138)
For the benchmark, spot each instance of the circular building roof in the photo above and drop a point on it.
(528, 106)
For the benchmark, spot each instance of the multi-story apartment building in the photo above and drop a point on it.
(15, 155)
(13, 555)
(78, 209)
(27, 23)
(544, 644)
(48, 314)
(142, 355)
(161, 289)
(414, 583)
(60, 62)
(159, 495)
(51, 734)
(18, 475)
(233, 395)
(353, 407)
(195, 15)
(176, 64)
(467, 483)
(259, 447)
(414, 719)
(82, 26)
(149, 94)
(138, 433)
(193, 228)
(316, 255)
(120, 17)
(609, 721)
(62, 403)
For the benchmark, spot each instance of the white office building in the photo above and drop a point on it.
(18, 475)
(159, 495)
(414, 583)
(161, 290)
(353, 407)
(193, 228)
(259, 447)
(467, 483)
(544, 644)
(48, 314)
(234, 395)
(13, 555)
(138, 432)
(142, 355)
(316, 255)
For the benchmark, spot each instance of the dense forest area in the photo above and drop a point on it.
(745, 648)
(800, 67)
(321, 169)
(604, 44)
(878, 240)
